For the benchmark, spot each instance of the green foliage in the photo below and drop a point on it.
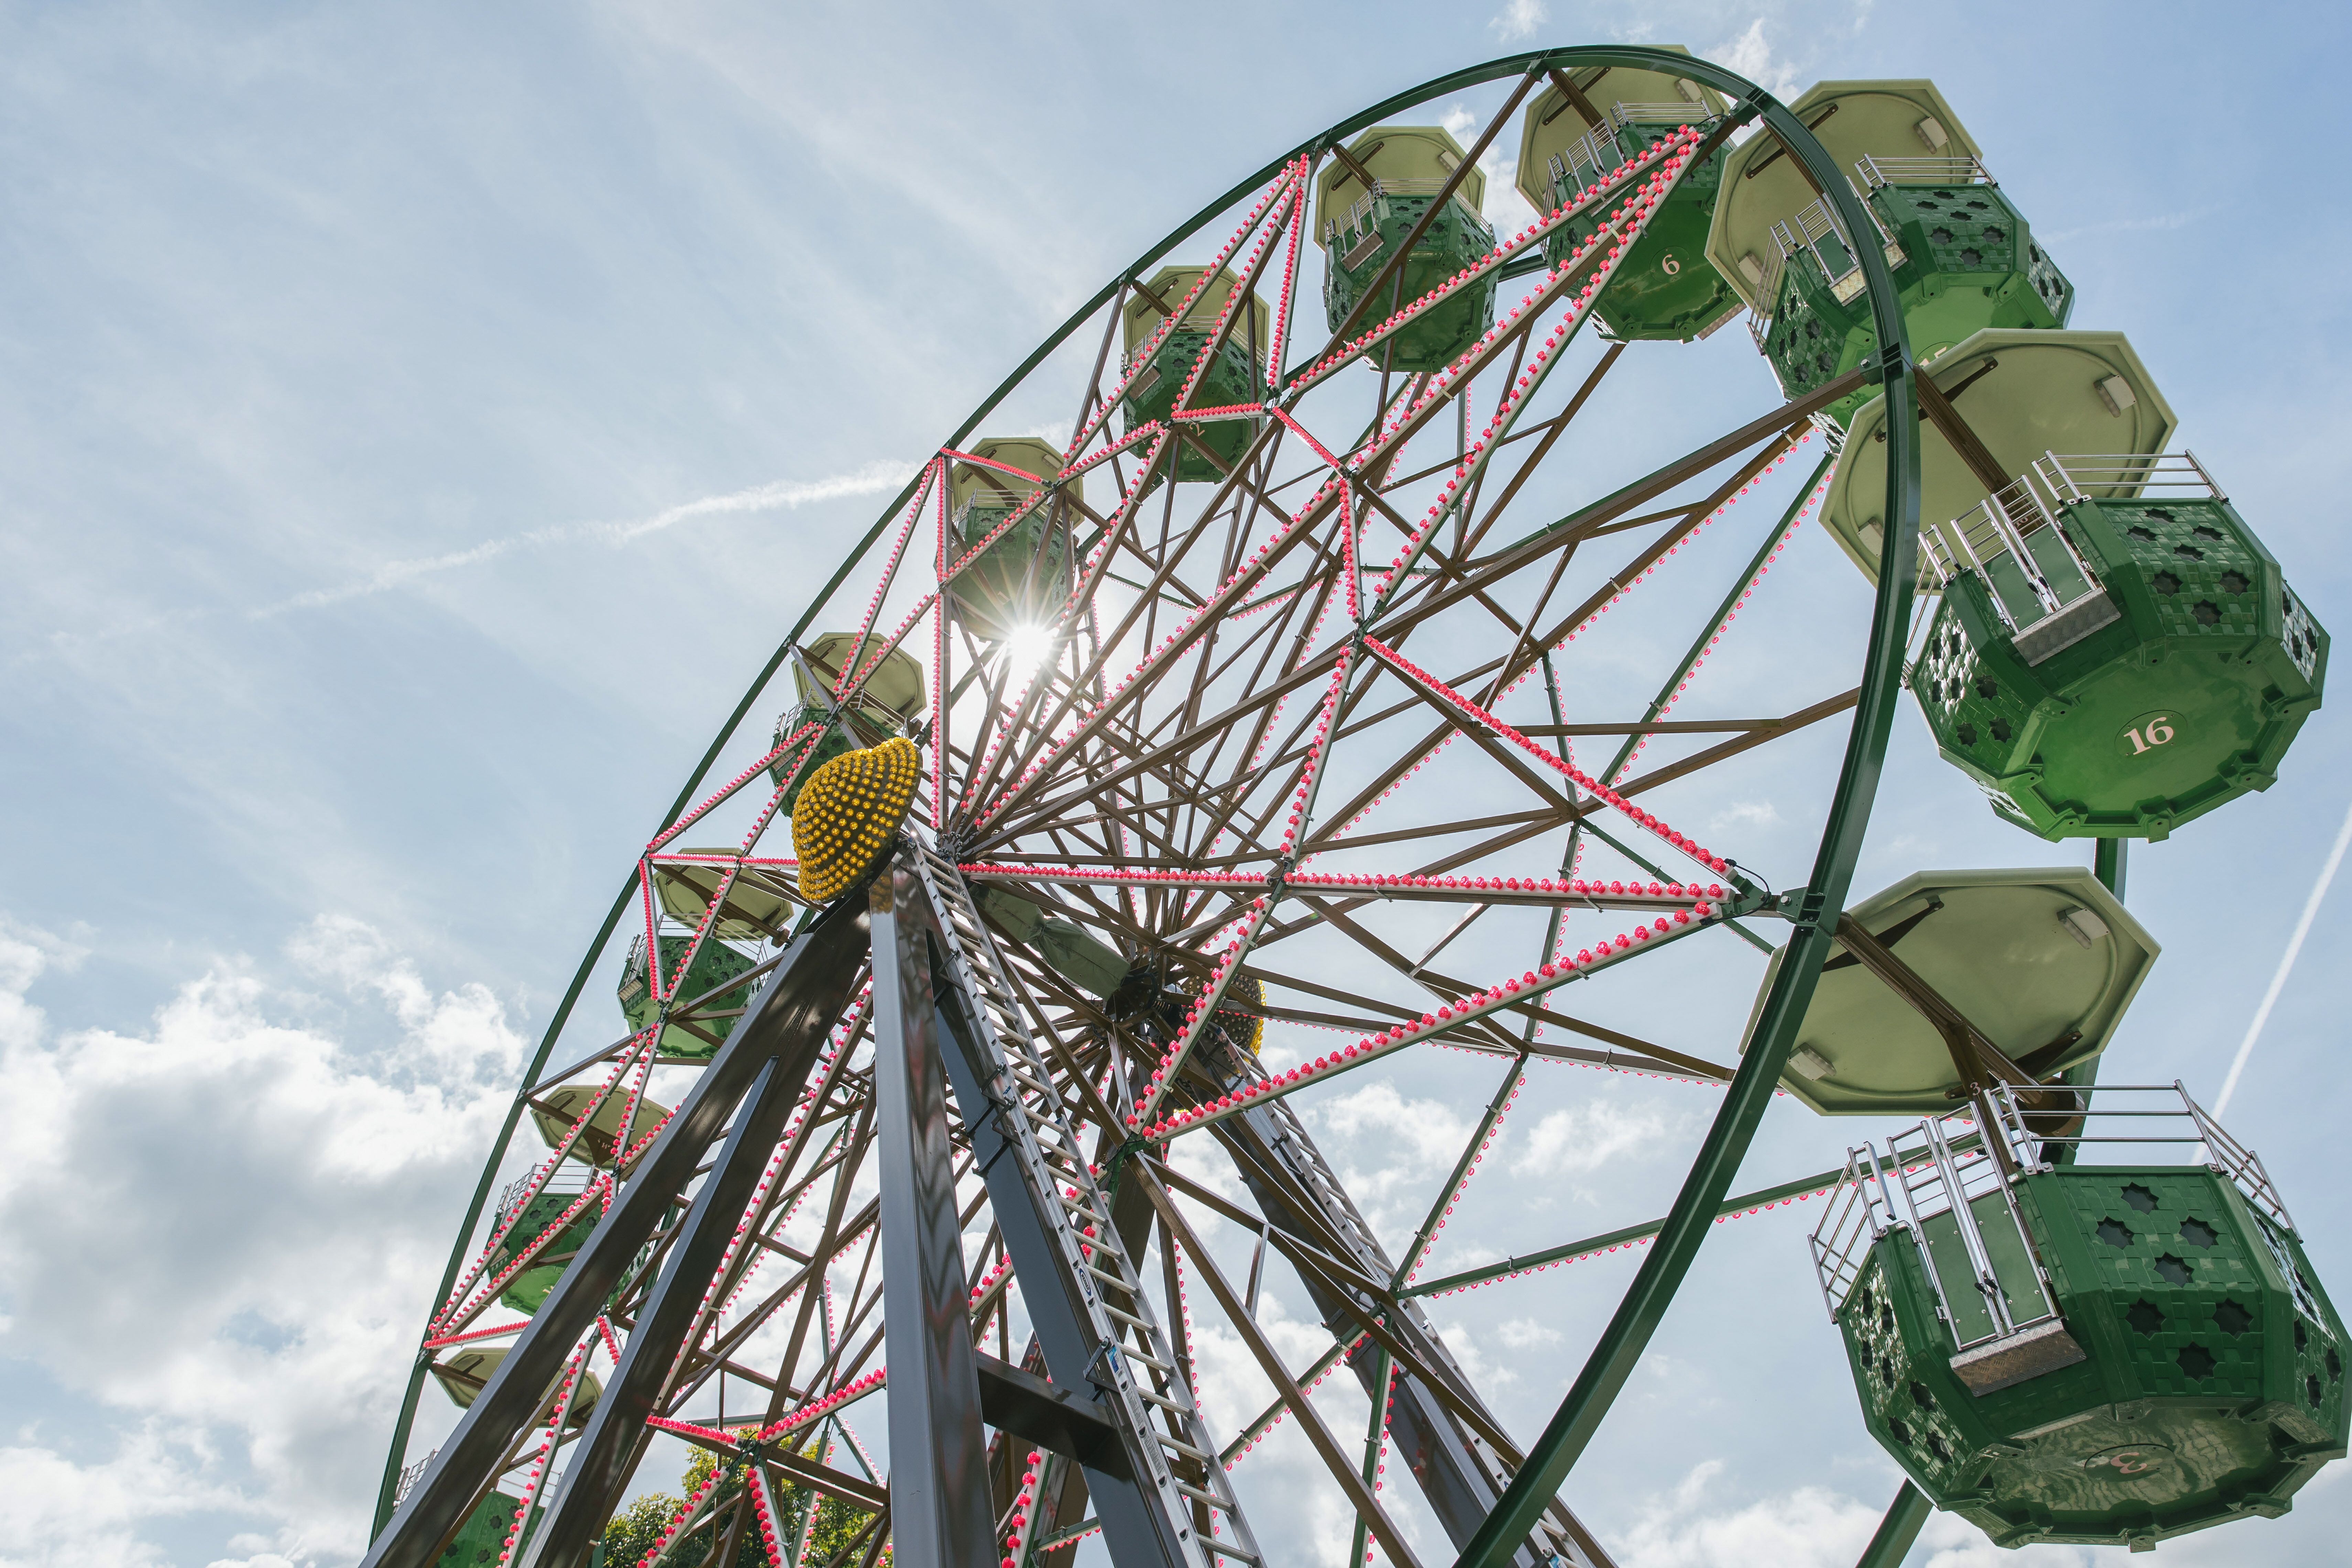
(836, 1522)
(633, 1533)
(697, 1471)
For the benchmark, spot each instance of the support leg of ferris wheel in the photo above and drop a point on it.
(780, 1038)
(940, 1508)
(1084, 1297)
(616, 1435)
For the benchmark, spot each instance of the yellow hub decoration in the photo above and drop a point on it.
(1247, 1027)
(847, 814)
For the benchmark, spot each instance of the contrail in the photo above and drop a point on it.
(2286, 963)
(780, 496)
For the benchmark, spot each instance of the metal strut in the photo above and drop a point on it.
(1459, 1473)
(1097, 1327)
(940, 1512)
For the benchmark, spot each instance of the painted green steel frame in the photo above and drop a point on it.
(2109, 860)
(1850, 808)
(1644, 1306)
(1818, 1182)
(1898, 1530)
(1377, 1430)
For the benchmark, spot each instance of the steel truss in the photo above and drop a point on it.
(1225, 689)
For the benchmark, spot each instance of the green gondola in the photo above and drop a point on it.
(1361, 228)
(1158, 372)
(2059, 1351)
(2113, 665)
(1663, 288)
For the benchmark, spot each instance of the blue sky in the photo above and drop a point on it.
(417, 422)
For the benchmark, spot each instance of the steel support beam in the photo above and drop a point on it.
(939, 1507)
(1897, 1530)
(1135, 1531)
(1036, 1410)
(2110, 860)
(786, 1026)
(616, 1433)
(1068, 1293)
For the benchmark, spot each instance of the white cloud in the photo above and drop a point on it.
(1525, 1335)
(1054, 432)
(781, 495)
(988, 208)
(455, 1036)
(53, 1511)
(870, 478)
(1579, 1139)
(1432, 1131)
(1504, 207)
(289, 1197)
(1468, 1350)
(1811, 1527)
(1750, 53)
(1745, 813)
(2141, 224)
(1390, 1150)
(1518, 19)
(1233, 1386)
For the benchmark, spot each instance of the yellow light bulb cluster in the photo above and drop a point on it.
(1248, 1029)
(847, 814)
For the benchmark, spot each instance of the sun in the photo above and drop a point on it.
(1025, 647)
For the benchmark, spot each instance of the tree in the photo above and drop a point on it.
(635, 1532)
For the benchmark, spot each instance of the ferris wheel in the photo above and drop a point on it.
(1307, 692)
